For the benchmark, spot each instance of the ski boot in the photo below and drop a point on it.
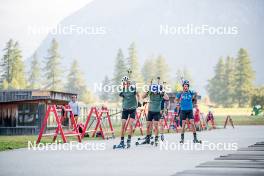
(195, 140)
(162, 137)
(156, 141)
(120, 146)
(128, 142)
(182, 139)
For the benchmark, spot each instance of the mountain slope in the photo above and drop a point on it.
(139, 21)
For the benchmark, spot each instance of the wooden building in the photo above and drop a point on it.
(22, 111)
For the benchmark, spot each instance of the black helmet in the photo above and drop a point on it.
(186, 82)
(125, 79)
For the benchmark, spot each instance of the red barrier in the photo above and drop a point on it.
(138, 123)
(59, 130)
(99, 125)
(229, 119)
(165, 122)
(171, 118)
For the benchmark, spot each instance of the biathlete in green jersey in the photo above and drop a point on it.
(156, 95)
(130, 99)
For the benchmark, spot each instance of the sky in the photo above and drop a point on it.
(17, 17)
(138, 21)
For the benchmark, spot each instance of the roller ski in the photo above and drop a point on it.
(120, 146)
(197, 141)
(144, 138)
(146, 141)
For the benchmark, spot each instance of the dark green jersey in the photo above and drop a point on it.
(129, 99)
(155, 102)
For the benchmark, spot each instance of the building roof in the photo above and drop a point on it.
(33, 94)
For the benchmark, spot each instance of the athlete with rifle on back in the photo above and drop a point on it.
(156, 94)
(130, 102)
(185, 101)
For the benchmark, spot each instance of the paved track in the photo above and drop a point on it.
(139, 160)
(247, 161)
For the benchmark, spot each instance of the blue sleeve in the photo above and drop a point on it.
(178, 95)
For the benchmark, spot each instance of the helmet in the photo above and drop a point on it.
(125, 78)
(186, 82)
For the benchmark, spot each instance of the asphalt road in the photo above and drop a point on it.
(99, 158)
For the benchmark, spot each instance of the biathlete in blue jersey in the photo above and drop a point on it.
(185, 101)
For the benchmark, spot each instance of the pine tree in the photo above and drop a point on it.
(76, 83)
(134, 64)
(120, 69)
(4, 85)
(53, 71)
(244, 78)
(87, 96)
(18, 69)
(229, 82)
(6, 64)
(148, 70)
(215, 87)
(188, 76)
(12, 66)
(34, 74)
(162, 69)
(258, 96)
(105, 96)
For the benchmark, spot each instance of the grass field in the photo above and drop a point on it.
(241, 120)
(15, 142)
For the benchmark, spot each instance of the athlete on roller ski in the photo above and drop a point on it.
(130, 103)
(156, 94)
(185, 100)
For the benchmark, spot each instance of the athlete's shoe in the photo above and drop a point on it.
(162, 137)
(128, 143)
(182, 139)
(195, 140)
(156, 140)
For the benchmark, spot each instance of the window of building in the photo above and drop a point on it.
(7, 115)
(27, 113)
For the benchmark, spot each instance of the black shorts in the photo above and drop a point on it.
(186, 114)
(153, 116)
(128, 113)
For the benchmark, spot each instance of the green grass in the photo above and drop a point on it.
(15, 142)
(241, 120)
